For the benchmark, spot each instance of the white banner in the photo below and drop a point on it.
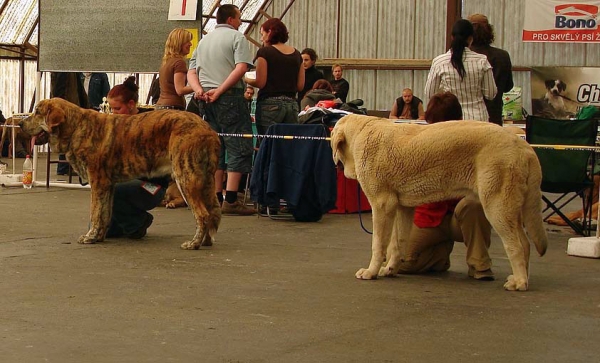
(183, 10)
(558, 21)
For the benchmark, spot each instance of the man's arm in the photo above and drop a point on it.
(394, 111)
(421, 112)
(233, 78)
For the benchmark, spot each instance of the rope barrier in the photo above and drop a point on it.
(566, 147)
(283, 137)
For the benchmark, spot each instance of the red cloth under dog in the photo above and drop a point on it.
(431, 214)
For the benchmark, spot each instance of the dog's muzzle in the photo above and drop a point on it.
(42, 138)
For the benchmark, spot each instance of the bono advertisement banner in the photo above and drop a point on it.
(559, 21)
(560, 92)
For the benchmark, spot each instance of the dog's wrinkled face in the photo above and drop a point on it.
(556, 86)
(342, 155)
(41, 123)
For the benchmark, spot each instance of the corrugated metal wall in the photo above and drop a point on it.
(378, 29)
(390, 29)
(412, 29)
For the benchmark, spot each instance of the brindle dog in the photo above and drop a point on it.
(107, 149)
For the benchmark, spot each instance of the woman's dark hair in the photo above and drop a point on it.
(126, 91)
(443, 107)
(225, 12)
(323, 84)
(311, 53)
(279, 32)
(461, 31)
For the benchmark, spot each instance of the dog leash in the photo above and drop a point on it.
(360, 211)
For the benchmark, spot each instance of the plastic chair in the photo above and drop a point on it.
(565, 171)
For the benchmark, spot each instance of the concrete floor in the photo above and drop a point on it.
(269, 291)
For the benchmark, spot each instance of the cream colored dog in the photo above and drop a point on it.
(402, 166)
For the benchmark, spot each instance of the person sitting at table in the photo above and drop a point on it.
(132, 199)
(321, 91)
(436, 226)
(407, 107)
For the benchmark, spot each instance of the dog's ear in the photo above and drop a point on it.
(54, 115)
(562, 85)
(337, 142)
(549, 83)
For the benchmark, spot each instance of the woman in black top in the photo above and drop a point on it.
(279, 76)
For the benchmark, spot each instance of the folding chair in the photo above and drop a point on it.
(565, 171)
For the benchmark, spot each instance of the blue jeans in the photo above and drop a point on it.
(229, 114)
(275, 110)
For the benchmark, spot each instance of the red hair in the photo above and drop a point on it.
(127, 91)
(279, 32)
(443, 107)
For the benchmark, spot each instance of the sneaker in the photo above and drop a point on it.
(141, 232)
(237, 208)
(486, 275)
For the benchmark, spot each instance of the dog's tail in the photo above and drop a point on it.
(532, 208)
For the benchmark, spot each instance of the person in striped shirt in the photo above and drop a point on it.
(466, 74)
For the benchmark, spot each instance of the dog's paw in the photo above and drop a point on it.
(85, 239)
(364, 274)
(386, 271)
(175, 204)
(190, 245)
(514, 284)
(207, 241)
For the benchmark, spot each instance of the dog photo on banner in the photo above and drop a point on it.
(561, 92)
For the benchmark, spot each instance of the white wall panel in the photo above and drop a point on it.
(321, 27)
(296, 20)
(362, 85)
(523, 80)
(396, 30)
(358, 29)
(389, 87)
(430, 29)
(420, 78)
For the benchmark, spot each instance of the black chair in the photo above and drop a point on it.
(565, 170)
